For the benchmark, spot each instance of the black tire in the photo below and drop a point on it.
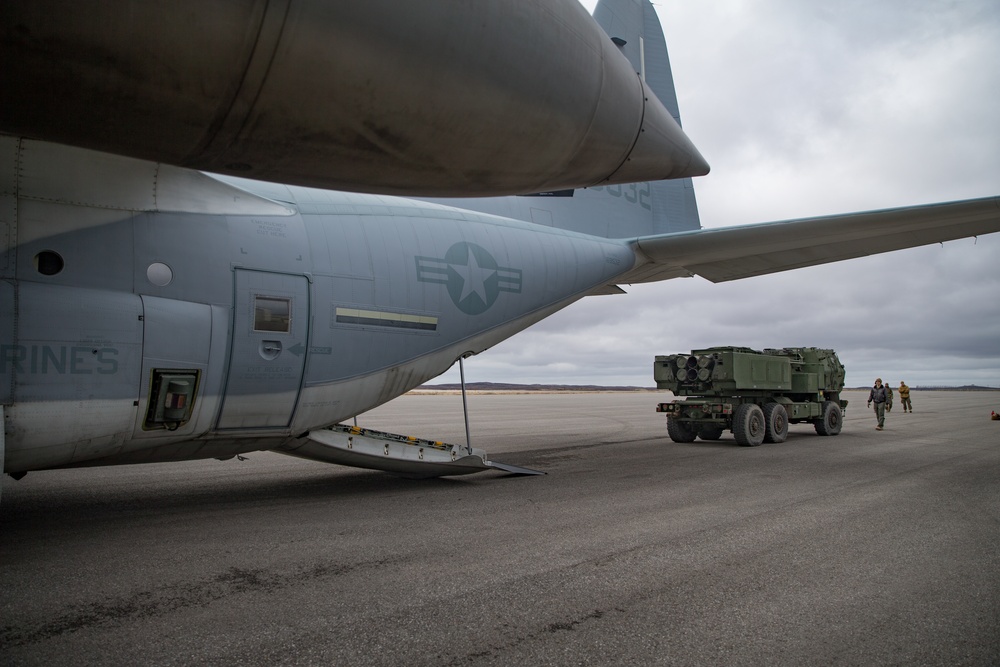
(832, 419)
(775, 422)
(680, 431)
(748, 425)
(710, 432)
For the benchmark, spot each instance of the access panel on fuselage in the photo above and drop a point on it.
(269, 339)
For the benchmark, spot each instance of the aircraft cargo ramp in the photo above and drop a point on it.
(403, 455)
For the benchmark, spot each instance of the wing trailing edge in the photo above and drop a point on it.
(43, 171)
(731, 253)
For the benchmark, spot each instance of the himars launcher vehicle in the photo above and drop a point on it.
(753, 394)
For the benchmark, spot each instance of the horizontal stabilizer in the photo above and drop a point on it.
(731, 253)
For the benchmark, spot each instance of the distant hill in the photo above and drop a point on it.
(501, 386)
(967, 387)
(570, 388)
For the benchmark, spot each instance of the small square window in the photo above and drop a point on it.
(272, 313)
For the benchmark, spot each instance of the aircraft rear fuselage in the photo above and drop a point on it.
(135, 335)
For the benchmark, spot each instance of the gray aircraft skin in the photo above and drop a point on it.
(422, 98)
(156, 313)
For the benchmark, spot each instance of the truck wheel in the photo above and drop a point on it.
(748, 425)
(775, 422)
(680, 431)
(710, 432)
(831, 421)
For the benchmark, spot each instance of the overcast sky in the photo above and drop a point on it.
(808, 109)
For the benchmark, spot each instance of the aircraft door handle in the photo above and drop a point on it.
(270, 349)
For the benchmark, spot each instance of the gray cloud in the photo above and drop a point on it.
(808, 109)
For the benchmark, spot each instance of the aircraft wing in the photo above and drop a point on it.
(446, 98)
(731, 253)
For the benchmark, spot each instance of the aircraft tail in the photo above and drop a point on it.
(614, 211)
(634, 26)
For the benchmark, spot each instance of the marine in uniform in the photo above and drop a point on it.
(878, 396)
(904, 397)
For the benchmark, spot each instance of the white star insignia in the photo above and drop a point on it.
(474, 278)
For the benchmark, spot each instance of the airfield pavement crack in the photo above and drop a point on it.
(562, 453)
(736, 563)
(569, 625)
(167, 599)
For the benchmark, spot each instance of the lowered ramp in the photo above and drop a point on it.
(399, 454)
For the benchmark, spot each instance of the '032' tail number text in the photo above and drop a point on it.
(635, 193)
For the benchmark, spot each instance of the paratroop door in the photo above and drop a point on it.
(269, 338)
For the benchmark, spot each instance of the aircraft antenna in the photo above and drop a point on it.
(642, 58)
(465, 403)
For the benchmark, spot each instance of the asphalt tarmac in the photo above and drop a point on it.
(868, 548)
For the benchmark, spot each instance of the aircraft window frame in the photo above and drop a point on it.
(49, 263)
(271, 320)
(159, 274)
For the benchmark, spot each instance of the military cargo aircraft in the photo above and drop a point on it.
(152, 312)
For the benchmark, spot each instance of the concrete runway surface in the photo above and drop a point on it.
(860, 549)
